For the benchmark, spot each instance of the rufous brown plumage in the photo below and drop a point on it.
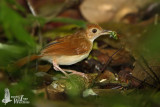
(73, 48)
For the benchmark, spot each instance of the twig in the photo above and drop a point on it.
(38, 26)
(145, 62)
(146, 71)
(142, 82)
(47, 94)
(109, 60)
(31, 8)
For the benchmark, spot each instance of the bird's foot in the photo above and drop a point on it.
(57, 68)
(77, 73)
(81, 74)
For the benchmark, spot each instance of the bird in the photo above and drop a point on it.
(70, 49)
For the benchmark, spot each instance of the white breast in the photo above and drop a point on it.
(66, 60)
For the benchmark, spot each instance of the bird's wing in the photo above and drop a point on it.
(67, 46)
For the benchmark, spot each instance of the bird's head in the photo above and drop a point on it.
(93, 31)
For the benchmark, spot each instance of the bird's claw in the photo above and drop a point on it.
(81, 74)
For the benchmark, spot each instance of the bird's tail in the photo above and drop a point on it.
(27, 59)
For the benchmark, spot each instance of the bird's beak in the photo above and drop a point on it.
(112, 34)
(106, 32)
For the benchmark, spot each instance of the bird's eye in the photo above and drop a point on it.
(94, 30)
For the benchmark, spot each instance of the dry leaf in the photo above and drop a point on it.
(99, 11)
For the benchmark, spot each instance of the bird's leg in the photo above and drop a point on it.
(57, 68)
(75, 72)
